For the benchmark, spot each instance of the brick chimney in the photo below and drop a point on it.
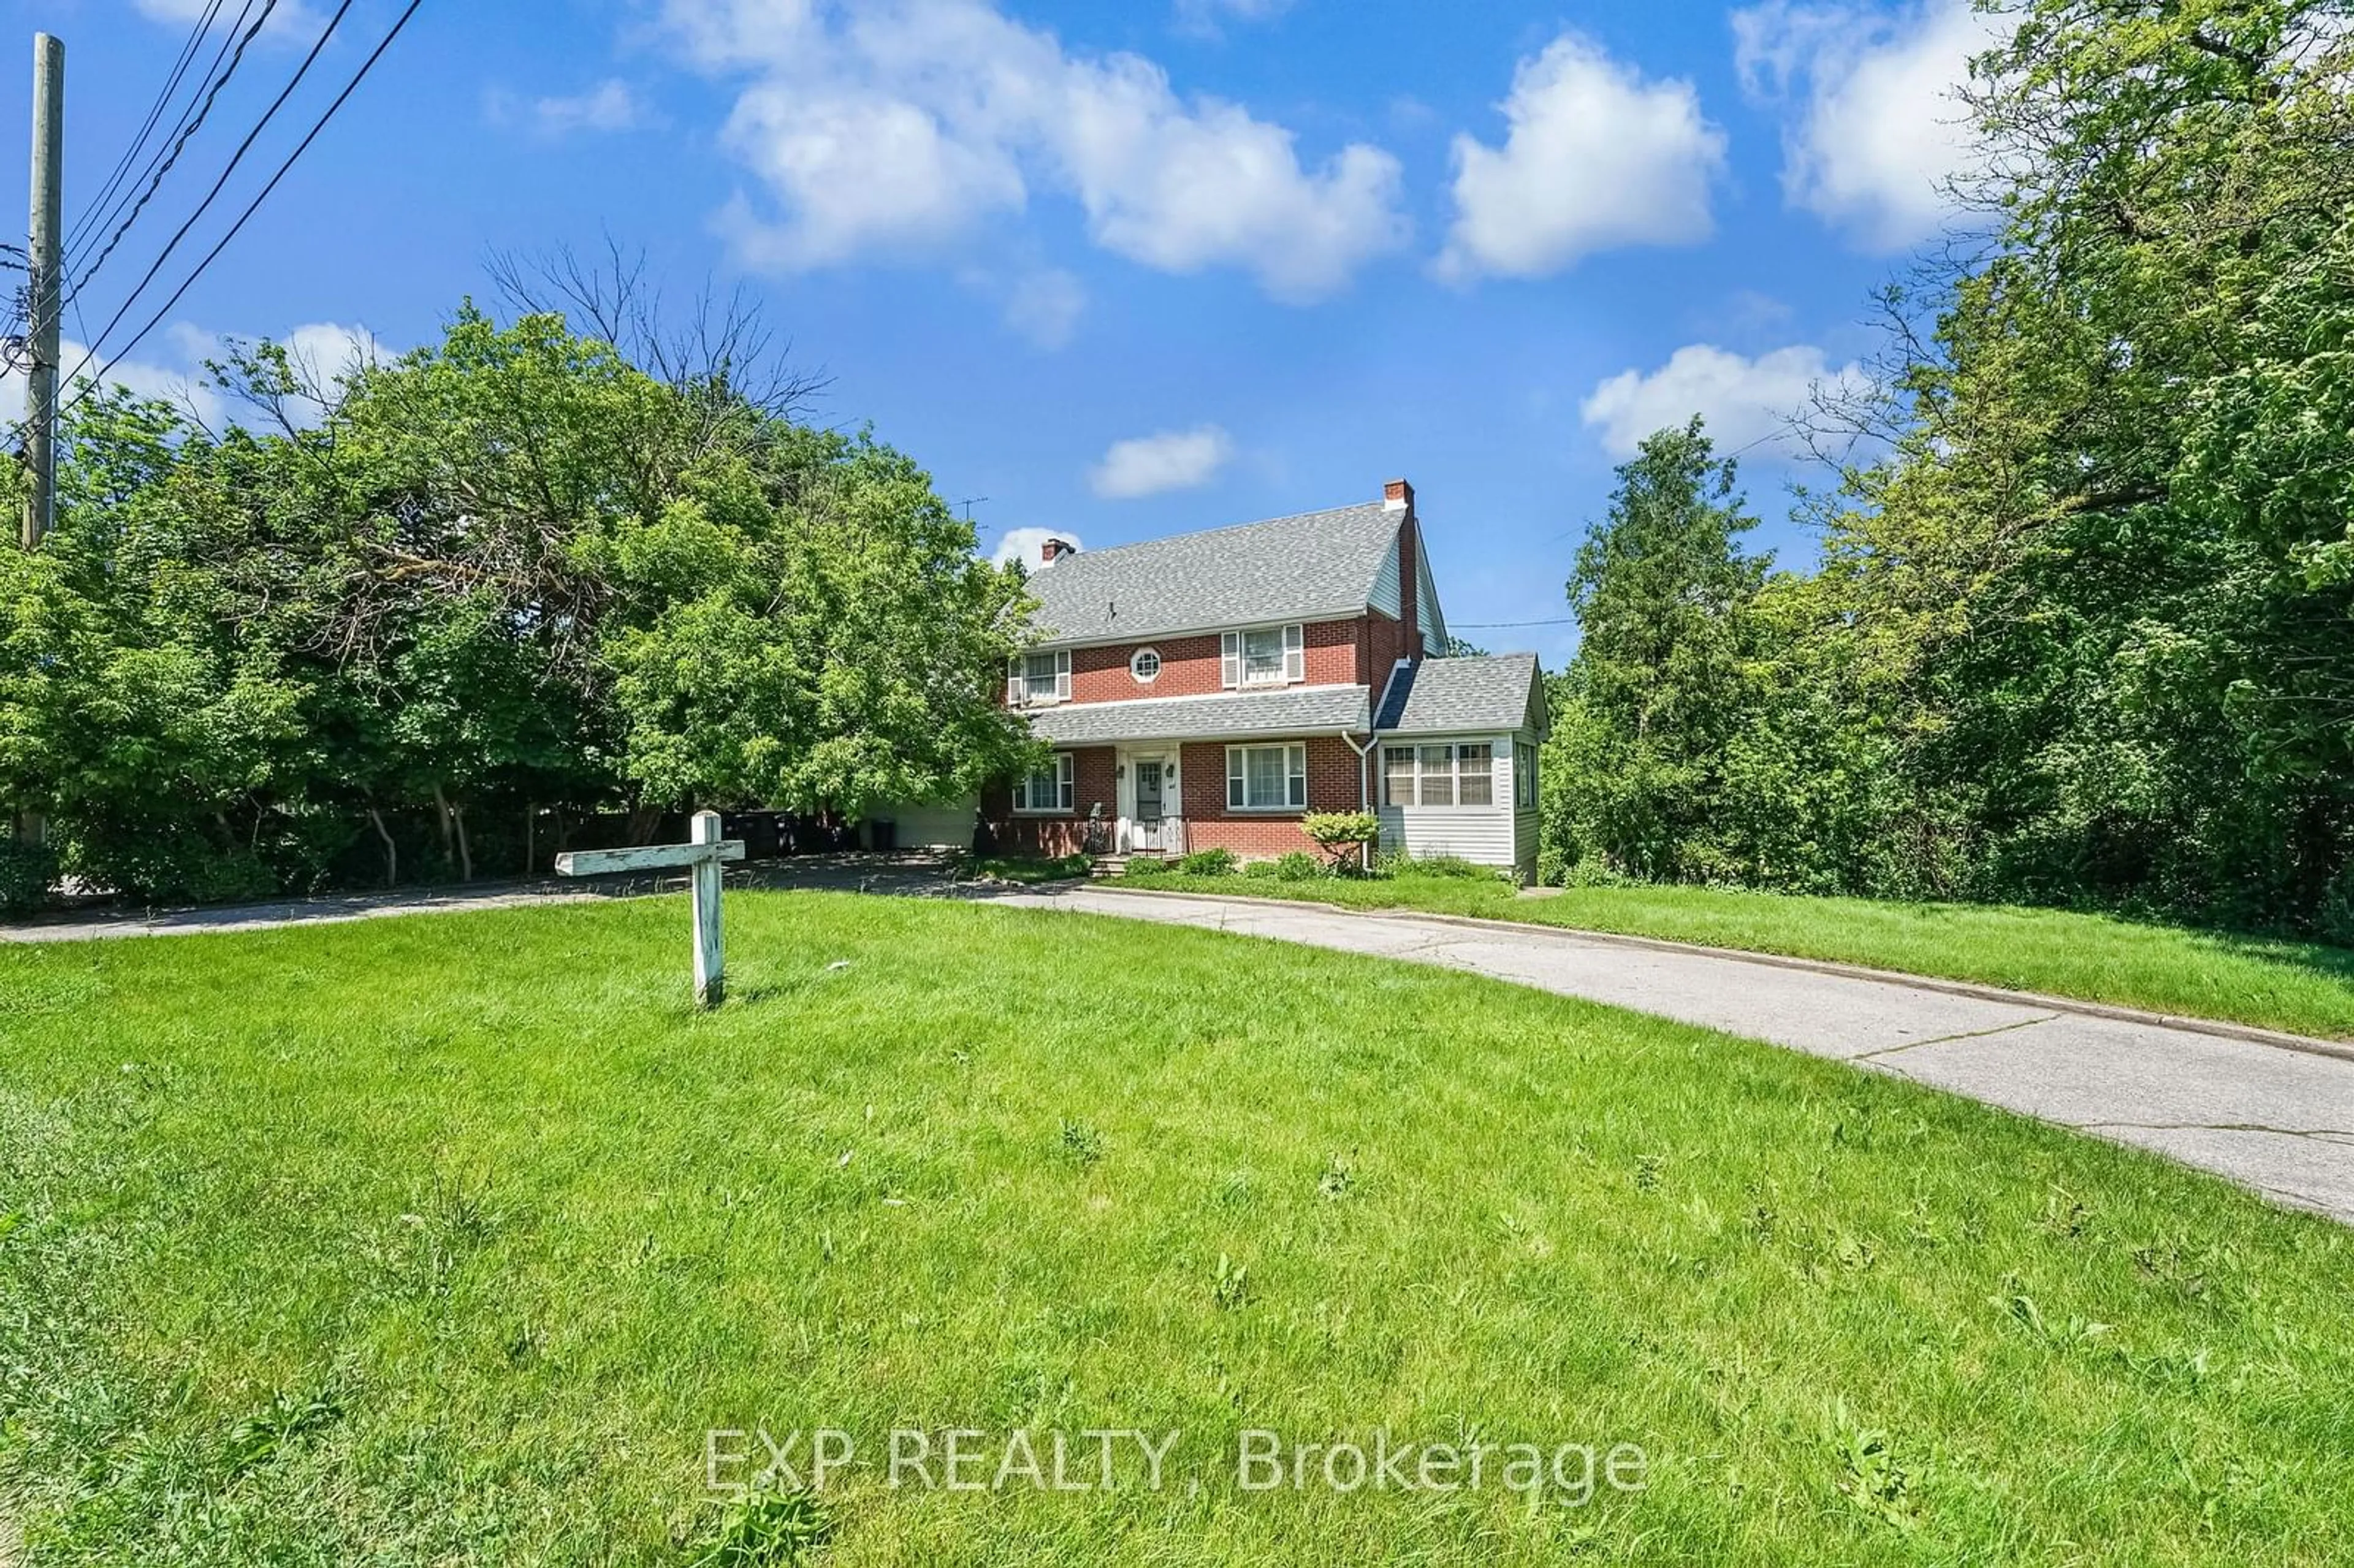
(1397, 496)
(1053, 550)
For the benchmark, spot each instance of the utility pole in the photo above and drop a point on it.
(43, 265)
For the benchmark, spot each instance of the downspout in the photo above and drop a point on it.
(1364, 790)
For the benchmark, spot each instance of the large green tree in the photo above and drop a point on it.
(507, 572)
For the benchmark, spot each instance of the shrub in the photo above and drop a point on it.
(1298, 865)
(1339, 829)
(1147, 865)
(1208, 863)
(26, 872)
(1262, 869)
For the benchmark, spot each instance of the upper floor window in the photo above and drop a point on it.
(1145, 666)
(1270, 656)
(1039, 678)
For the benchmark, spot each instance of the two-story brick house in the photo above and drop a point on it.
(1207, 691)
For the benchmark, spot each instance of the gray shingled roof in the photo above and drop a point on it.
(1457, 696)
(1316, 566)
(1294, 710)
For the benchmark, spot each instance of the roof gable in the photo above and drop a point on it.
(1317, 566)
(1490, 693)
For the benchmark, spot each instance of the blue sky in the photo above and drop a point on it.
(1122, 270)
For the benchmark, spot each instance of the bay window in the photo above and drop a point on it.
(1267, 778)
(1459, 773)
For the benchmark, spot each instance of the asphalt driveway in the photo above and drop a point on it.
(2276, 1119)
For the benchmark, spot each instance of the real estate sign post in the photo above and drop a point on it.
(702, 858)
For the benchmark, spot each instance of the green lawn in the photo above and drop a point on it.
(2302, 987)
(447, 1239)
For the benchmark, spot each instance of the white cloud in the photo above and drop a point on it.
(1044, 306)
(610, 105)
(1204, 19)
(1595, 157)
(328, 351)
(174, 372)
(291, 17)
(1171, 460)
(1025, 546)
(1746, 402)
(1873, 129)
(899, 126)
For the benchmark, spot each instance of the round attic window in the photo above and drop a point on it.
(1145, 666)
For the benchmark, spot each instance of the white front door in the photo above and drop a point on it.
(1152, 803)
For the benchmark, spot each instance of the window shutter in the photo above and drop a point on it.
(1233, 774)
(1063, 674)
(1230, 663)
(1295, 654)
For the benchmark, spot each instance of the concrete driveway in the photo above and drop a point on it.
(2276, 1119)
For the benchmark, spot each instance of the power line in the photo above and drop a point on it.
(1499, 625)
(96, 216)
(234, 158)
(252, 208)
(157, 182)
(122, 165)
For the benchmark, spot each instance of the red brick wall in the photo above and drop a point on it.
(1332, 786)
(1189, 665)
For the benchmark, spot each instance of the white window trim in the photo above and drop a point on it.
(1136, 658)
(1288, 747)
(1065, 790)
(1454, 775)
(1233, 673)
(1017, 683)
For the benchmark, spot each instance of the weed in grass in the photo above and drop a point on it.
(1872, 1478)
(1335, 1181)
(767, 1529)
(1081, 1143)
(1230, 1284)
(288, 1419)
(1649, 1170)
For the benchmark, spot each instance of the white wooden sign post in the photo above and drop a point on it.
(702, 858)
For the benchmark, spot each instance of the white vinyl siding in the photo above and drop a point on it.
(1267, 778)
(1385, 595)
(1456, 797)
(1039, 678)
(1048, 791)
(1266, 656)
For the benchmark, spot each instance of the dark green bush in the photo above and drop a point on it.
(1208, 863)
(1147, 865)
(26, 874)
(1298, 865)
(1261, 869)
